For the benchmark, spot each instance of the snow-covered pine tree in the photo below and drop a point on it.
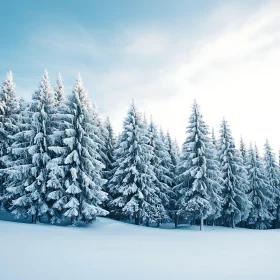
(18, 162)
(9, 115)
(196, 181)
(213, 138)
(59, 93)
(243, 150)
(161, 163)
(273, 176)
(81, 162)
(42, 110)
(260, 193)
(109, 142)
(236, 206)
(132, 185)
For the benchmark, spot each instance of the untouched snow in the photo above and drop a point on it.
(110, 250)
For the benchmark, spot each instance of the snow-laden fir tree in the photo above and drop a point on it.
(197, 180)
(79, 163)
(161, 163)
(42, 110)
(260, 193)
(243, 150)
(132, 185)
(213, 138)
(18, 162)
(59, 94)
(9, 114)
(236, 206)
(109, 141)
(273, 176)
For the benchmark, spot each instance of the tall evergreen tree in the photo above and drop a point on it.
(260, 193)
(79, 162)
(17, 166)
(197, 172)
(273, 176)
(42, 110)
(132, 185)
(236, 205)
(161, 162)
(9, 115)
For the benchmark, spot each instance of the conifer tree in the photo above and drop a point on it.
(59, 94)
(236, 205)
(42, 110)
(79, 160)
(197, 181)
(243, 149)
(132, 185)
(260, 193)
(9, 114)
(17, 166)
(161, 162)
(273, 176)
(109, 142)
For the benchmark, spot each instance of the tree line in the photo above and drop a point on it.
(59, 160)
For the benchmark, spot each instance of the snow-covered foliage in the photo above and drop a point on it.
(198, 173)
(132, 186)
(273, 177)
(260, 192)
(75, 175)
(236, 205)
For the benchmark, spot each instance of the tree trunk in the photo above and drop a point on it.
(147, 222)
(176, 220)
(201, 223)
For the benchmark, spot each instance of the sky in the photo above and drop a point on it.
(163, 54)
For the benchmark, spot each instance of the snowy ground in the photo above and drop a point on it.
(110, 250)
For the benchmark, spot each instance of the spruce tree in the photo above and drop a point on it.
(42, 110)
(79, 162)
(273, 176)
(9, 115)
(132, 185)
(18, 162)
(59, 94)
(197, 181)
(161, 161)
(260, 193)
(236, 205)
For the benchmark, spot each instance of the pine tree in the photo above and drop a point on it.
(59, 94)
(9, 114)
(109, 144)
(243, 149)
(273, 176)
(42, 110)
(236, 206)
(197, 181)
(132, 184)
(80, 161)
(161, 162)
(213, 138)
(18, 162)
(260, 193)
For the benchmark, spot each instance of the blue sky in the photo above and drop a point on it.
(161, 53)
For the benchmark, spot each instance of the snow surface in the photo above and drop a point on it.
(111, 250)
